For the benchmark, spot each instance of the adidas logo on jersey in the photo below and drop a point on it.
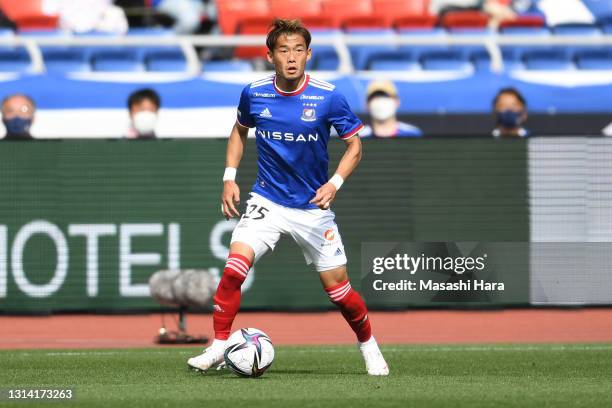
(265, 113)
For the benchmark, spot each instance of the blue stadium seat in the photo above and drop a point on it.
(482, 61)
(515, 52)
(594, 60)
(325, 53)
(60, 61)
(166, 61)
(117, 61)
(548, 61)
(16, 60)
(227, 66)
(392, 58)
(325, 60)
(445, 61)
(6, 33)
(575, 30)
(361, 54)
(390, 65)
(476, 33)
(417, 50)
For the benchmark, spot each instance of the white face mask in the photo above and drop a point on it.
(382, 108)
(144, 122)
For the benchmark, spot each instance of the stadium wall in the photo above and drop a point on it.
(83, 224)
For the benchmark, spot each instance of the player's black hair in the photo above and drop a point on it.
(143, 94)
(283, 27)
(28, 98)
(511, 91)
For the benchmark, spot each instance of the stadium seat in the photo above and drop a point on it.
(482, 61)
(477, 34)
(381, 65)
(37, 22)
(393, 61)
(415, 22)
(117, 61)
(515, 52)
(325, 60)
(555, 60)
(6, 33)
(417, 50)
(577, 30)
(16, 60)
(294, 8)
(594, 60)
(166, 61)
(340, 11)
(65, 60)
(364, 22)
(361, 54)
(322, 52)
(529, 20)
(464, 19)
(445, 60)
(227, 66)
(231, 12)
(392, 10)
(253, 25)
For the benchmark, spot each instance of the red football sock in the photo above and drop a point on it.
(227, 297)
(353, 309)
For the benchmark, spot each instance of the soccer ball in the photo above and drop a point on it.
(249, 352)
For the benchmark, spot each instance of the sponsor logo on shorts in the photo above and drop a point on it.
(338, 252)
(329, 234)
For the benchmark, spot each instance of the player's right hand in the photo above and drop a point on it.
(229, 199)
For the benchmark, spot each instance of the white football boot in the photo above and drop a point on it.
(374, 360)
(211, 357)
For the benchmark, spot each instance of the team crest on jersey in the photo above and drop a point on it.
(309, 115)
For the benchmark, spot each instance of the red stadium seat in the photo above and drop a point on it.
(317, 22)
(391, 10)
(465, 19)
(295, 8)
(360, 22)
(231, 12)
(340, 10)
(37, 22)
(424, 21)
(253, 25)
(524, 21)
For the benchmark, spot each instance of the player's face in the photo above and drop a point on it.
(289, 56)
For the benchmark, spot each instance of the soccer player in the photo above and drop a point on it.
(292, 113)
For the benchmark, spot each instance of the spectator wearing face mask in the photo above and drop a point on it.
(143, 105)
(17, 116)
(510, 111)
(383, 102)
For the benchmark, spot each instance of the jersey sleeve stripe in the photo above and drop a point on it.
(352, 132)
(238, 121)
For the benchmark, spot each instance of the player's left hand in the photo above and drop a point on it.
(324, 197)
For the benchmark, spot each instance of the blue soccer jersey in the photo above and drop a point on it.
(292, 131)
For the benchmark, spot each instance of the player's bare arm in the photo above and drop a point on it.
(351, 158)
(231, 192)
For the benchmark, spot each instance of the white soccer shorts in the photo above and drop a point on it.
(314, 230)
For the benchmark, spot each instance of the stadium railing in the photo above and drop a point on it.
(341, 42)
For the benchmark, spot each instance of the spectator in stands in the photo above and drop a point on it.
(17, 116)
(143, 105)
(510, 110)
(383, 101)
(82, 16)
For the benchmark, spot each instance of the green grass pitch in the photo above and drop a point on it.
(325, 376)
